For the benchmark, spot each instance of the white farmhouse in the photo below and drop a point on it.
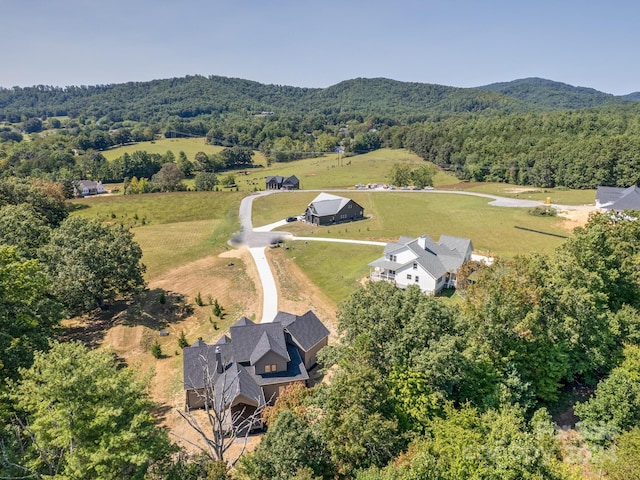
(421, 261)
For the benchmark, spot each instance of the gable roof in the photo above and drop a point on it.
(275, 179)
(245, 339)
(237, 382)
(328, 204)
(306, 330)
(615, 198)
(266, 343)
(436, 258)
(292, 180)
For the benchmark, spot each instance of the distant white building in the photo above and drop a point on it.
(85, 188)
(423, 262)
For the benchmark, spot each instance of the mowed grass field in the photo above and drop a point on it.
(392, 214)
(337, 268)
(340, 171)
(171, 228)
(190, 146)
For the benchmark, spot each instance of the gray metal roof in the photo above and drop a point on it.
(614, 198)
(292, 180)
(327, 204)
(437, 258)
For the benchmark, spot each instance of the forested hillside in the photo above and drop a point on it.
(530, 131)
(547, 93)
(194, 96)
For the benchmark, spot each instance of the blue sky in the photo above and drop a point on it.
(460, 43)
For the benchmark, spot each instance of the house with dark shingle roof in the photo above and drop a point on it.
(618, 199)
(328, 209)
(251, 366)
(421, 261)
(277, 182)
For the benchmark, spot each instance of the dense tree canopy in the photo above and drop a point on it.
(85, 417)
(90, 263)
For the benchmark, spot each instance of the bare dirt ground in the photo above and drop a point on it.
(130, 329)
(570, 219)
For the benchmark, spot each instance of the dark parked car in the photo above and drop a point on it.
(291, 219)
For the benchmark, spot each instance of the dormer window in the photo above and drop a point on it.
(270, 368)
(415, 266)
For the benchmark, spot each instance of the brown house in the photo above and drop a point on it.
(250, 367)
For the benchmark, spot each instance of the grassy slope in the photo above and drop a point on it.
(174, 228)
(186, 226)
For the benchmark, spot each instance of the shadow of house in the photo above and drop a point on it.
(328, 209)
(277, 182)
(251, 366)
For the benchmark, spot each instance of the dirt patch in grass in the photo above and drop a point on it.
(130, 328)
(570, 219)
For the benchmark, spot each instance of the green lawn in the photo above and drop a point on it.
(190, 146)
(171, 228)
(492, 229)
(335, 268)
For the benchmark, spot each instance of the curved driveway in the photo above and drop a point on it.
(258, 239)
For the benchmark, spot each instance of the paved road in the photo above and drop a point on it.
(258, 239)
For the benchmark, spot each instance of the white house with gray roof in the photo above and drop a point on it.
(421, 261)
(328, 209)
(253, 364)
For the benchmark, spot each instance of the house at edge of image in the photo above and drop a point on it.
(251, 366)
(84, 188)
(421, 261)
(276, 182)
(618, 199)
(328, 209)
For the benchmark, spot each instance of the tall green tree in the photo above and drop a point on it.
(22, 227)
(29, 316)
(85, 417)
(90, 263)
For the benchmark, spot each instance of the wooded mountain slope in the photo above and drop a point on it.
(193, 96)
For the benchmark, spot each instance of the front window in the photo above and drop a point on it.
(408, 276)
(417, 279)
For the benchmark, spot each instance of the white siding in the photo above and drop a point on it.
(425, 281)
(403, 255)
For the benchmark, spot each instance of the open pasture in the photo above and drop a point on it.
(340, 171)
(172, 228)
(492, 229)
(190, 146)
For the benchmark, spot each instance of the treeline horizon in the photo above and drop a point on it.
(529, 132)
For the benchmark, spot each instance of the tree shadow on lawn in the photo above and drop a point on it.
(154, 309)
